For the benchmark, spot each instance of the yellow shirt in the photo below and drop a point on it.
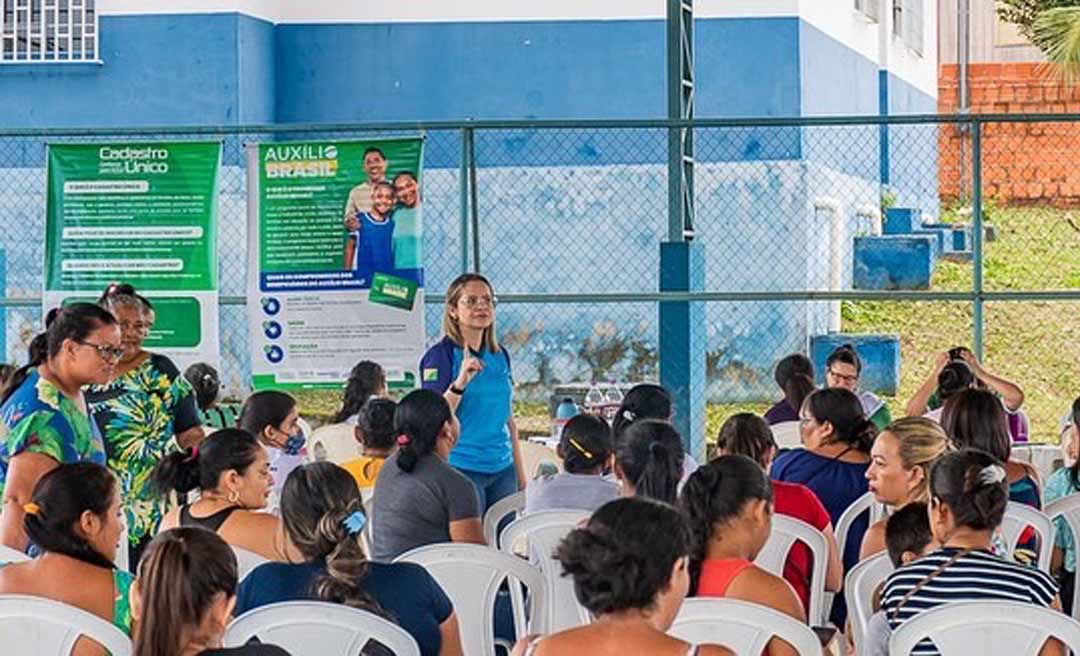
(364, 469)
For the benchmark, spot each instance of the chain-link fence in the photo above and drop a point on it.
(568, 218)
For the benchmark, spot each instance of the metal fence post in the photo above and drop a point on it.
(463, 175)
(475, 205)
(977, 245)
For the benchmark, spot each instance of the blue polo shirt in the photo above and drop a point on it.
(485, 407)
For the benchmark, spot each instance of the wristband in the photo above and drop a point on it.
(456, 390)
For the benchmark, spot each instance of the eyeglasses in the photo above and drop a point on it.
(137, 327)
(844, 377)
(476, 301)
(107, 352)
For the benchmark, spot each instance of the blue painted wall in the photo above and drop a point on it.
(913, 149)
(255, 70)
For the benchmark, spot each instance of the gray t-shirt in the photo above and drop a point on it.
(415, 509)
(566, 491)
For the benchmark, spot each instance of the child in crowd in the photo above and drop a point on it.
(376, 434)
(273, 418)
(907, 537)
(205, 381)
(370, 248)
(586, 452)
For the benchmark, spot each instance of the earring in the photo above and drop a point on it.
(234, 497)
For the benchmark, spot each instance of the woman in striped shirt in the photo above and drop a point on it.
(968, 497)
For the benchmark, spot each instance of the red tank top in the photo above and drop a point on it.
(717, 575)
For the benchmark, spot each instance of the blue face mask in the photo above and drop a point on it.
(294, 444)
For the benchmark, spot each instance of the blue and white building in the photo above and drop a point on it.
(773, 205)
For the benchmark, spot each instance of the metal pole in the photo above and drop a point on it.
(680, 87)
(475, 206)
(977, 227)
(463, 175)
(963, 49)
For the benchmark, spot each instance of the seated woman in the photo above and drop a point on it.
(585, 449)
(375, 432)
(232, 475)
(647, 401)
(1062, 483)
(367, 379)
(899, 471)
(728, 506)
(795, 376)
(419, 498)
(74, 520)
(968, 495)
(273, 418)
(957, 370)
(184, 597)
(748, 435)
(630, 570)
(649, 460)
(323, 516)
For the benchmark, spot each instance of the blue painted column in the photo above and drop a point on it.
(682, 340)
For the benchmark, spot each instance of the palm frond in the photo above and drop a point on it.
(1057, 33)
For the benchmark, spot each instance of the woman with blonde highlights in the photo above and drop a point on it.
(472, 372)
(899, 471)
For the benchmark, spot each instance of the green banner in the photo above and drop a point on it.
(144, 213)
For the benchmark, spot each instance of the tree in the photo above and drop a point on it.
(1057, 33)
(1024, 13)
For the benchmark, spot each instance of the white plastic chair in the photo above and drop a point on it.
(786, 531)
(335, 443)
(985, 627)
(535, 455)
(1068, 509)
(543, 531)
(471, 575)
(510, 506)
(741, 626)
(246, 561)
(787, 435)
(1017, 518)
(9, 555)
(856, 509)
(859, 586)
(318, 628)
(35, 626)
(367, 534)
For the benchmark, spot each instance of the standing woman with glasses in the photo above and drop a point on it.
(43, 412)
(145, 412)
(472, 372)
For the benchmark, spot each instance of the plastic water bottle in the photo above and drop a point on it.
(614, 395)
(566, 411)
(594, 398)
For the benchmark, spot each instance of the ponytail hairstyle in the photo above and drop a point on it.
(59, 500)
(266, 408)
(794, 375)
(365, 380)
(182, 572)
(206, 383)
(585, 444)
(975, 419)
(973, 484)
(847, 354)
(200, 467)
(921, 442)
(644, 401)
(122, 294)
(954, 378)
(623, 557)
(748, 435)
(650, 457)
(74, 322)
(418, 420)
(323, 515)
(714, 495)
(376, 423)
(844, 411)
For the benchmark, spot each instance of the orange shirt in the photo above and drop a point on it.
(364, 469)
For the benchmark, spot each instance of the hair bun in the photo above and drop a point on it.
(992, 475)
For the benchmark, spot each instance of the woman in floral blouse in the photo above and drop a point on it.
(147, 410)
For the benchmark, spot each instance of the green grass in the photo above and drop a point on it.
(1034, 343)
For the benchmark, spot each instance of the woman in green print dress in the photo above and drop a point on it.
(43, 417)
(146, 411)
